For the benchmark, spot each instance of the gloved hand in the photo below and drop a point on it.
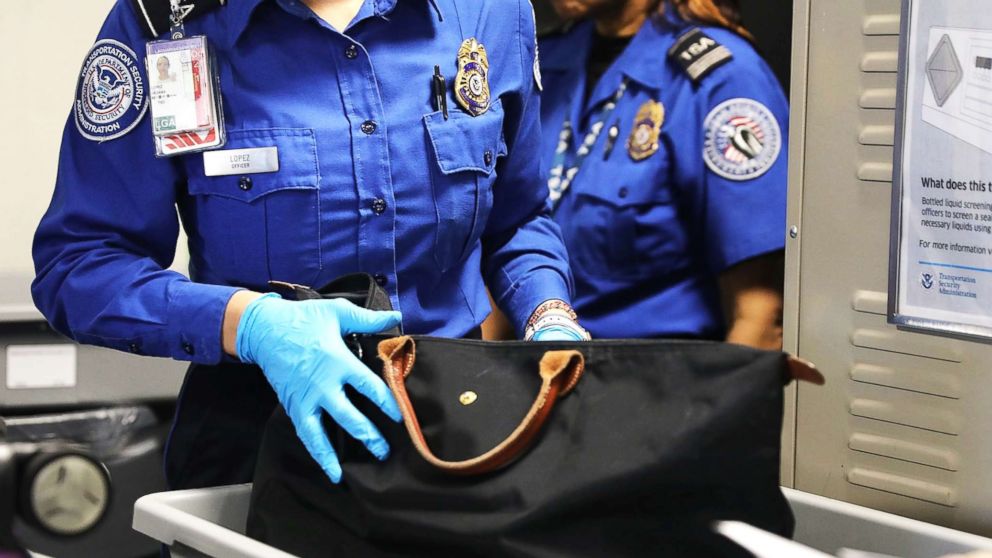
(300, 348)
(558, 333)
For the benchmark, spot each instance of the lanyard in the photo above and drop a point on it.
(561, 177)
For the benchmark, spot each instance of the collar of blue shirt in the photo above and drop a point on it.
(643, 60)
(239, 13)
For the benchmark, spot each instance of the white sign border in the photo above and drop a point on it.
(897, 276)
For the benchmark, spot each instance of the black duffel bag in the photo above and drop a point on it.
(603, 448)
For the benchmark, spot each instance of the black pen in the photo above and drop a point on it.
(611, 139)
(440, 92)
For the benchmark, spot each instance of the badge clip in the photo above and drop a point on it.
(184, 90)
(177, 30)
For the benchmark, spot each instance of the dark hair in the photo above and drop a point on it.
(725, 13)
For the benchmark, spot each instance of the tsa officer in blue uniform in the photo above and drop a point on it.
(361, 157)
(666, 138)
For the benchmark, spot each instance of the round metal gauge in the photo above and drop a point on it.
(67, 494)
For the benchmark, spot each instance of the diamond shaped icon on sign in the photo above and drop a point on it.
(944, 71)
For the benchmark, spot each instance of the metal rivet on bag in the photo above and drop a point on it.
(468, 398)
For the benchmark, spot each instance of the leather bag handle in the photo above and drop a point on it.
(802, 370)
(560, 371)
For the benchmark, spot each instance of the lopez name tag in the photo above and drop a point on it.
(240, 161)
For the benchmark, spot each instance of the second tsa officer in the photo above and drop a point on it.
(666, 136)
(393, 137)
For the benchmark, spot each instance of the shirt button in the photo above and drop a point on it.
(378, 206)
(488, 157)
(245, 183)
(368, 127)
(134, 348)
(351, 52)
(380, 279)
(188, 348)
(623, 192)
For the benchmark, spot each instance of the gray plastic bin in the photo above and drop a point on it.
(831, 525)
(202, 522)
(211, 522)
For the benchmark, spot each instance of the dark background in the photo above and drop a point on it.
(769, 20)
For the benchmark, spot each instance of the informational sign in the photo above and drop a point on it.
(941, 246)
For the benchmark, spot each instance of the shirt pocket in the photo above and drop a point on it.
(465, 149)
(626, 233)
(254, 227)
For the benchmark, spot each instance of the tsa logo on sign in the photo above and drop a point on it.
(926, 279)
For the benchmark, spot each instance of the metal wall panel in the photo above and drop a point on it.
(904, 423)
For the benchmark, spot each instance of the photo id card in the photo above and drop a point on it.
(184, 96)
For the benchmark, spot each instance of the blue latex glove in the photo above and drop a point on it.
(555, 333)
(300, 348)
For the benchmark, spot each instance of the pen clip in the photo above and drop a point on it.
(440, 92)
(611, 139)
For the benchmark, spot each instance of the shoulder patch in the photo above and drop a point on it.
(742, 139)
(698, 54)
(110, 94)
(155, 15)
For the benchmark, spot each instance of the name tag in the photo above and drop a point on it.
(240, 161)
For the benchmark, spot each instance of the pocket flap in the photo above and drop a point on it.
(621, 195)
(297, 157)
(462, 141)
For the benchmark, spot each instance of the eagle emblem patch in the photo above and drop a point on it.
(110, 94)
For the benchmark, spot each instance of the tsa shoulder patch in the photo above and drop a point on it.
(742, 139)
(698, 54)
(110, 94)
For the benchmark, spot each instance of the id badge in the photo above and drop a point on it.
(184, 96)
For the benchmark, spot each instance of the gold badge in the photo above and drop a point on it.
(643, 140)
(472, 79)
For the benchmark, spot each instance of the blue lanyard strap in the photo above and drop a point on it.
(566, 162)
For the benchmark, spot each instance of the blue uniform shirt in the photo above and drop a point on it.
(371, 178)
(648, 238)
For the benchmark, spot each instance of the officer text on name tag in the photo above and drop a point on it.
(240, 161)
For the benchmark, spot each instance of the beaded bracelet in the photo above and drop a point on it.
(550, 305)
(554, 312)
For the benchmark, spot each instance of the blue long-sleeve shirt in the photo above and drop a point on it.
(682, 192)
(371, 177)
